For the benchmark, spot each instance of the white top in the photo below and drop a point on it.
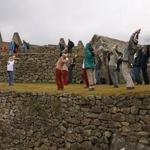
(83, 66)
(10, 65)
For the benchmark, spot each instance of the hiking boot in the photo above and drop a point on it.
(130, 88)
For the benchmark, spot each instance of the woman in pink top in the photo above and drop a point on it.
(58, 72)
(65, 74)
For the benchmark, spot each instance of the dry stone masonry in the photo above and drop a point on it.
(32, 121)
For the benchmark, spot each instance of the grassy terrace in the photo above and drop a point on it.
(74, 88)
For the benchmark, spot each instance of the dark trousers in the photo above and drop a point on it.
(59, 81)
(145, 74)
(136, 74)
(114, 76)
(98, 76)
(70, 73)
(10, 77)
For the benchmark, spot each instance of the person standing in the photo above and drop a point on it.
(65, 74)
(25, 47)
(144, 60)
(128, 58)
(113, 67)
(58, 72)
(71, 65)
(85, 77)
(62, 45)
(136, 70)
(70, 46)
(89, 63)
(98, 70)
(11, 48)
(10, 70)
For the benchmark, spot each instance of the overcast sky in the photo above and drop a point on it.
(45, 21)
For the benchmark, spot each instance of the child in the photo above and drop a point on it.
(58, 72)
(10, 70)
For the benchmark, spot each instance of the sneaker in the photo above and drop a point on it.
(91, 89)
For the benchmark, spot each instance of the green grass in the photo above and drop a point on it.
(74, 88)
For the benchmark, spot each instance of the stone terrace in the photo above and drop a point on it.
(32, 121)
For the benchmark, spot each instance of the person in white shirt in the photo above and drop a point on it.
(10, 70)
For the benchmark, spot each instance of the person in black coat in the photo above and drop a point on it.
(137, 67)
(144, 60)
(70, 46)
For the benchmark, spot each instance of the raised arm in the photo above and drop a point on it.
(135, 36)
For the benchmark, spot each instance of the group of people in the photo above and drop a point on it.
(65, 48)
(135, 60)
(13, 47)
(132, 63)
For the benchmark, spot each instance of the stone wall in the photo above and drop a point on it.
(109, 43)
(31, 121)
(53, 49)
(36, 67)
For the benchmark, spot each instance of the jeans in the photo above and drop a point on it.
(98, 76)
(10, 77)
(136, 72)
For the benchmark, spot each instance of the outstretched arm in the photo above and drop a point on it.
(135, 35)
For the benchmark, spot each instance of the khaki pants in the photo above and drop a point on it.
(126, 74)
(91, 76)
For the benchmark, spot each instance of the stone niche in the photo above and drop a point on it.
(39, 121)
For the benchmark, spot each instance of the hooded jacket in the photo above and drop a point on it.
(89, 58)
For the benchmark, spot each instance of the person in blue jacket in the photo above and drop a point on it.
(11, 48)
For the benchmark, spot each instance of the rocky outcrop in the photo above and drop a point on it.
(108, 43)
(16, 38)
(32, 121)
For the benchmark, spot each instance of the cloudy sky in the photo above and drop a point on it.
(45, 21)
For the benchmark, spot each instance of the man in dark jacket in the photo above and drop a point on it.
(144, 61)
(137, 67)
(70, 46)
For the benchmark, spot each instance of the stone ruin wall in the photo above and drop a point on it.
(38, 121)
(38, 67)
